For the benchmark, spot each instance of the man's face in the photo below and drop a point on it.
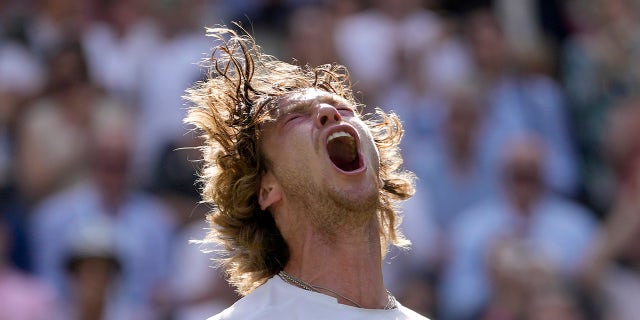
(322, 155)
(523, 174)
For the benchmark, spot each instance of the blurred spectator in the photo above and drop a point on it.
(310, 38)
(51, 138)
(21, 75)
(558, 229)
(619, 146)
(21, 78)
(142, 225)
(196, 290)
(22, 296)
(167, 72)
(516, 270)
(534, 30)
(520, 100)
(525, 286)
(370, 43)
(118, 47)
(519, 20)
(601, 67)
(56, 22)
(455, 171)
(92, 267)
(614, 269)
(425, 83)
(410, 275)
(446, 62)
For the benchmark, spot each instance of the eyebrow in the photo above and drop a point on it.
(299, 105)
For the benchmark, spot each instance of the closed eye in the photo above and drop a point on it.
(346, 111)
(292, 117)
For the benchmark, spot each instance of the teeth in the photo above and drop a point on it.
(338, 135)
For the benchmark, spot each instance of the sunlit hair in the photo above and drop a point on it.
(228, 109)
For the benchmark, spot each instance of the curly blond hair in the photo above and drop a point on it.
(228, 109)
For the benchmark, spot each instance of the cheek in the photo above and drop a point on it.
(286, 147)
(296, 149)
(369, 149)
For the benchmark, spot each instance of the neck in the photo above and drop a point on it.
(348, 263)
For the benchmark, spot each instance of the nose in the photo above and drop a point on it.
(327, 114)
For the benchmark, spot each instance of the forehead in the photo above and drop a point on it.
(310, 94)
(304, 100)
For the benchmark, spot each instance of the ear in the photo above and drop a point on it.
(270, 191)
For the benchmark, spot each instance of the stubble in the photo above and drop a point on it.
(329, 210)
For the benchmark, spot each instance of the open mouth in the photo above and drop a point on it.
(343, 151)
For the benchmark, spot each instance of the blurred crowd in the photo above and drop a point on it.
(521, 118)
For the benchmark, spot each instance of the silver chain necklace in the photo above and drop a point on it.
(286, 277)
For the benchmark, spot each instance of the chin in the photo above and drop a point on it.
(338, 211)
(358, 199)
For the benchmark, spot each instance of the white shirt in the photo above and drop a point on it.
(277, 299)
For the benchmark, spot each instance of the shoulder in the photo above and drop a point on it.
(402, 313)
(255, 305)
(277, 300)
(410, 314)
(225, 314)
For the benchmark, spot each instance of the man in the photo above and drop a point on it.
(484, 271)
(304, 189)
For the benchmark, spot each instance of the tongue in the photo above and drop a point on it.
(343, 154)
